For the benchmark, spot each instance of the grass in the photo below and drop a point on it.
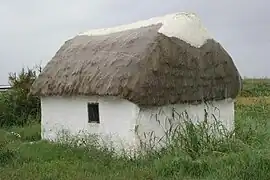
(256, 87)
(245, 157)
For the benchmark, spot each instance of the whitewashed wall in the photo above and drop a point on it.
(155, 122)
(119, 118)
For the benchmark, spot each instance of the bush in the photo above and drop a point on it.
(17, 106)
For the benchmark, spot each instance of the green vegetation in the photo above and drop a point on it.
(256, 87)
(243, 156)
(17, 107)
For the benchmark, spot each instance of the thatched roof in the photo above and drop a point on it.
(141, 65)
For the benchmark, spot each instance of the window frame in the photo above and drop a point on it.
(93, 107)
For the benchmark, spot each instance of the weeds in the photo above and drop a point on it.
(199, 156)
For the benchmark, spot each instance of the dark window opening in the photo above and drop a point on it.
(93, 113)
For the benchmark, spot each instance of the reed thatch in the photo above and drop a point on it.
(141, 65)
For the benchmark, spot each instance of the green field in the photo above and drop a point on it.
(243, 157)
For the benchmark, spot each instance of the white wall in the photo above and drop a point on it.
(156, 120)
(118, 118)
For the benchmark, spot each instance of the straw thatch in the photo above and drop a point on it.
(141, 65)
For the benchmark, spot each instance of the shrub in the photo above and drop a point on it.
(17, 106)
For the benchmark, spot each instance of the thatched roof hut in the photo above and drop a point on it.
(127, 82)
(142, 65)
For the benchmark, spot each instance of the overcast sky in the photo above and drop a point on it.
(32, 31)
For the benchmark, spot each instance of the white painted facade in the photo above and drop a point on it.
(119, 119)
(185, 26)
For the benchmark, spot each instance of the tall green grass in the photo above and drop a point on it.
(243, 156)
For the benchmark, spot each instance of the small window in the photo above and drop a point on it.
(93, 112)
